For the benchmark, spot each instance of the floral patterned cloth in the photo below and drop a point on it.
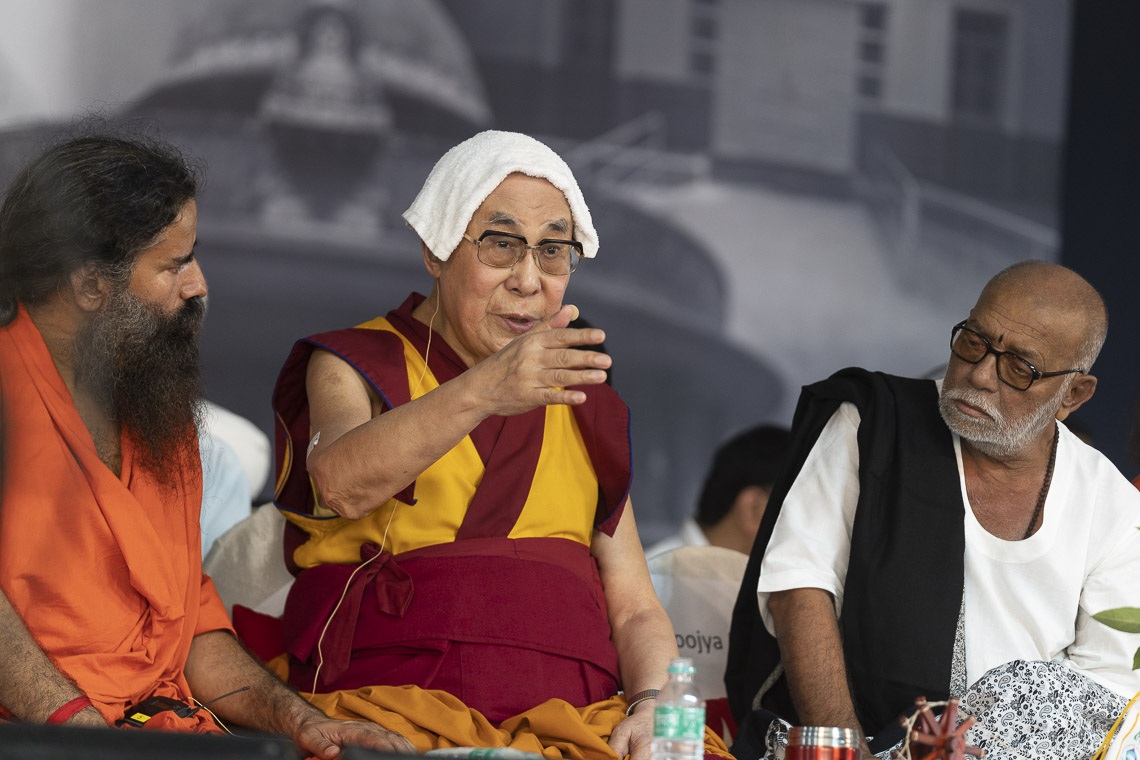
(1025, 710)
(1039, 711)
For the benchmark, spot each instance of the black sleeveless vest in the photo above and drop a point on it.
(903, 590)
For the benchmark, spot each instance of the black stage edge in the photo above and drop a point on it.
(35, 742)
(1100, 205)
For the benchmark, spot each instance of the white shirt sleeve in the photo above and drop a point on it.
(811, 541)
(1107, 654)
(225, 490)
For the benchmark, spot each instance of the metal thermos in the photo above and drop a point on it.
(822, 743)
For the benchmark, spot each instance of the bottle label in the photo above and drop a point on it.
(672, 722)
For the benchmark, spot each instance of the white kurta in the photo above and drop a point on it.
(689, 535)
(1031, 599)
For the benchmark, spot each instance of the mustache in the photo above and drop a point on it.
(189, 316)
(975, 399)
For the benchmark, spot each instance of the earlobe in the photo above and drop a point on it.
(1079, 392)
(433, 265)
(749, 507)
(88, 288)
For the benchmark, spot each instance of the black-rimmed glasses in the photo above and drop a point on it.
(504, 250)
(972, 347)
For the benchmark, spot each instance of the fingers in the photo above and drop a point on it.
(374, 736)
(377, 737)
(619, 739)
(554, 397)
(558, 371)
(540, 369)
(564, 366)
(556, 333)
(633, 737)
(326, 740)
(574, 336)
(564, 316)
(559, 351)
(400, 743)
(316, 743)
(576, 359)
(392, 743)
(566, 377)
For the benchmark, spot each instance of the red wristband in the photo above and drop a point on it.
(63, 714)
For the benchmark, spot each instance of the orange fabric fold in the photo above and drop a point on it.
(436, 720)
(105, 570)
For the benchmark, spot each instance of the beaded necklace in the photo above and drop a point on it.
(1044, 486)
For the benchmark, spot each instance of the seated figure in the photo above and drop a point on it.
(235, 465)
(949, 539)
(457, 478)
(735, 493)
(101, 301)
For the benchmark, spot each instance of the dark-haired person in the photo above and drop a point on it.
(735, 493)
(101, 298)
(949, 539)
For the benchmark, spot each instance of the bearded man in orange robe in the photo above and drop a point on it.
(101, 299)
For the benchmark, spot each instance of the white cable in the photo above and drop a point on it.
(391, 515)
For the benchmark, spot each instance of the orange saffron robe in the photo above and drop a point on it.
(105, 570)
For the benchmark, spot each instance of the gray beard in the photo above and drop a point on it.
(997, 437)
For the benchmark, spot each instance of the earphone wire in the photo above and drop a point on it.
(427, 350)
(217, 720)
(344, 593)
(387, 526)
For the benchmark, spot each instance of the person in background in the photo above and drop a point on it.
(235, 465)
(101, 299)
(735, 492)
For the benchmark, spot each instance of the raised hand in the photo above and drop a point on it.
(537, 368)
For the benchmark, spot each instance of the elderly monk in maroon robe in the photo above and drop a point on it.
(470, 568)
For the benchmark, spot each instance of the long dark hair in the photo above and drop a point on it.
(96, 198)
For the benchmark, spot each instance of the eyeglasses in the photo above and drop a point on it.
(504, 250)
(972, 347)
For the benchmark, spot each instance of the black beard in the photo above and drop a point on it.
(143, 365)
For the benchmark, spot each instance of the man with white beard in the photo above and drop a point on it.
(949, 539)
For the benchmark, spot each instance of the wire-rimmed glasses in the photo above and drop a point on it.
(505, 249)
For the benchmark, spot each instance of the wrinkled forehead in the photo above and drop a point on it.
(1025, 321)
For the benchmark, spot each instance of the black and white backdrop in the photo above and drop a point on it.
(782, 188)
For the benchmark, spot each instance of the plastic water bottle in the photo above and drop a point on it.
(679, 717)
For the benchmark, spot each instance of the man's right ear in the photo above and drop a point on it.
(433, 264)
(89, 288)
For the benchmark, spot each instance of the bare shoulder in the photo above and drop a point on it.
(336, 390)
(327, 372)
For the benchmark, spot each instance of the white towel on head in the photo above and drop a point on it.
(469, 172)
